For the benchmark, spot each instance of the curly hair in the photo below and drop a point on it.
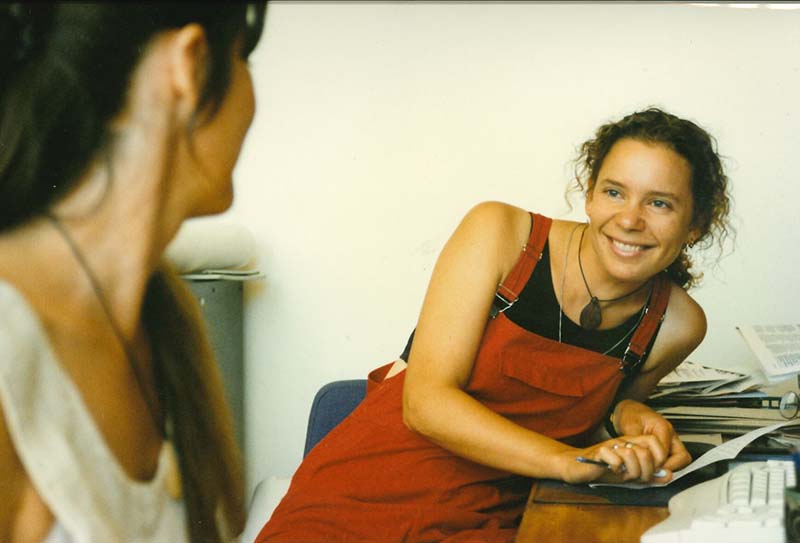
(709, 182)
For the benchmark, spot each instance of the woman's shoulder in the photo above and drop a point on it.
(498, 213)
(508, 221)
(508, 227)
(490, 236)
(504, 213)
(684, 321)
(497, 222)
(681, 331)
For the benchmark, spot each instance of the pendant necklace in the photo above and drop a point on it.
(172, 481)
(563, 282)
(591, 315)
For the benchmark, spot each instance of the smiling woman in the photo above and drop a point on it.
(499, 384)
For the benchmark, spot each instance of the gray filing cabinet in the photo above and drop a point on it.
(221, 302)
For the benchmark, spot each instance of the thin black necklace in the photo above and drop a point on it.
(591, 315)
(98, 292)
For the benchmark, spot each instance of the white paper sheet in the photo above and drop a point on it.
(692, 372)
(777, 347)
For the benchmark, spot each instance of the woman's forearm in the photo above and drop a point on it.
(454, 420)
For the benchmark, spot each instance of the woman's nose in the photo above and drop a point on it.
(630, 217)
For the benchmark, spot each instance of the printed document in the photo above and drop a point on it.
(777, 347)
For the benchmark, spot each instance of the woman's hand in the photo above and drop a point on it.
(633, 418)
(639, 458)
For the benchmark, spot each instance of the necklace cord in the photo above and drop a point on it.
(106, 306)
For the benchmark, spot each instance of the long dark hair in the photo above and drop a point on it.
(709, 182)
(66, 68)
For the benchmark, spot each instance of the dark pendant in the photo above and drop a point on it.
(591, 316)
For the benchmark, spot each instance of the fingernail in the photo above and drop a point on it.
(660, 473)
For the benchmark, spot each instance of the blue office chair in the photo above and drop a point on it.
(332, 403)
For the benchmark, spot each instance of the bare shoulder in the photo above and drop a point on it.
(499, 229)
(499, 218)
(682, 330)
(685, 320)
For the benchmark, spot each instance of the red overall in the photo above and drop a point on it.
(374, 480)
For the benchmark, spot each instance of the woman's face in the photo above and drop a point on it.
(640, 209)
(218, 141)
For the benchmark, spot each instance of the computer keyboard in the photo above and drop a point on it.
(743, 505)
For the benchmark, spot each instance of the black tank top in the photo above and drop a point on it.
(537, 311)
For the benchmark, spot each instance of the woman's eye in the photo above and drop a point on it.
(613, 193)
(661, 204)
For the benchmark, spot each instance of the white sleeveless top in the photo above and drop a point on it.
(63, 451)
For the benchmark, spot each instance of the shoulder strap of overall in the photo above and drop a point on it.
(508, 291)
(655, 310)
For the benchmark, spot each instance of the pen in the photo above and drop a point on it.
(584, 460)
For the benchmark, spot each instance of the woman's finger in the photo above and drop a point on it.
(657, 450)
(644, 458)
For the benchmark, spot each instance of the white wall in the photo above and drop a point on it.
(380, 124)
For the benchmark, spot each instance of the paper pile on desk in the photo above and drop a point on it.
(691, 380)
(723, 420)
(702, 400)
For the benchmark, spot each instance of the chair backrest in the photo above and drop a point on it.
(332, 403)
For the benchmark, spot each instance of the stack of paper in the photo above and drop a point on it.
(699, 400)
(724, 420)
(691, 380)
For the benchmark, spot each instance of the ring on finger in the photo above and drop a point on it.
(629, 445)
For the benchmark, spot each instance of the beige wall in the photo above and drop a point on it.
(380, 124)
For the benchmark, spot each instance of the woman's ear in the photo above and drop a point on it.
(189, 54)
(694, 235)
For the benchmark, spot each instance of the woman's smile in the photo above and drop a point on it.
(626, 249)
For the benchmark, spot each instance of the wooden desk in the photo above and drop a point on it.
(555, 515)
